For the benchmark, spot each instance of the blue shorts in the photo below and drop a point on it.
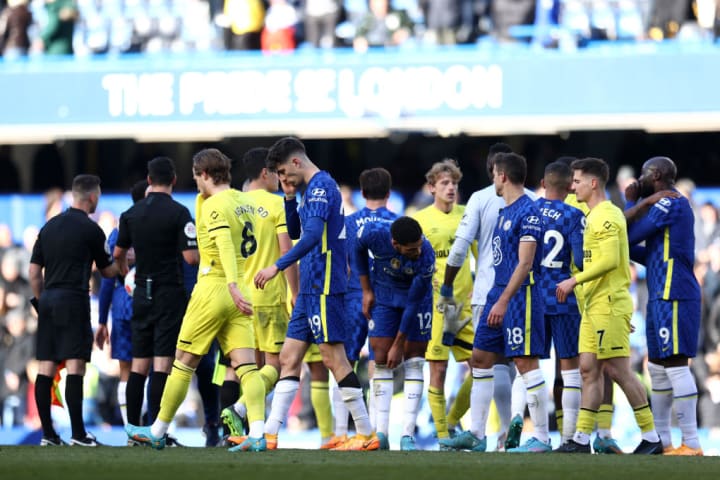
(523, 328)
(386, 322)
(120, 339)
(318, 319)
(356, 325)
(672, 328)
(562, 331)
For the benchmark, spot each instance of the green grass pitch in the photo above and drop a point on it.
(108, 463)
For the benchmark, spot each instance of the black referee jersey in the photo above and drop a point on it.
(67, 246)
(159, 229)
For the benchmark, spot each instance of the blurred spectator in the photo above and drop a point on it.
(382, 26)
(508, 13)
(14, 288)
(279, 32)
(442, 19)
(245, 20)
(15, 20)
(17, 349)
(320, 17)
(57, 36)
(625, 176)
(709, 229)
(666, 18)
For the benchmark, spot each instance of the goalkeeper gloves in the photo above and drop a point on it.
(446, 298)
(452, 323)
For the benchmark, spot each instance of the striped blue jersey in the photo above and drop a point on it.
(563, 226)
(323, 271)
(393, 276)
(515, 221)
(669, 253)
(353, 222)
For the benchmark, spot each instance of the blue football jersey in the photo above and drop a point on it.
(563, 226)
(396, 279)
(669, 254)
(353, 223)
(324, 269)
(517, 220)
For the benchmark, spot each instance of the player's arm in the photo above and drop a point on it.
(312, 235)
(605, 258)
(361, 265)
(420, 288)
(292, 217)
(526, 255)
(122, 244)
(636, 208)
(107, 285)
(576, 239)
(35, 276)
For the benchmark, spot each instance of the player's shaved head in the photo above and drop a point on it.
(558, 176)
(664, 166)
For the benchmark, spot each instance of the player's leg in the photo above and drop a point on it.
(210, 396)
(565, 330)
(121, 350)
(614, 354)
(676, 338)
(142, 352)
(382, 331)
(413, 388)
(320, 399)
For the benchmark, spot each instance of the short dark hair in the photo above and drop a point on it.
(558, 175)
(161, 170)
(375, 183)
(254, 161)
(512, 165)
(494, 149)
(406, 230)
(213, 162)
(137, 192)
(596, 167)
(281, 151)
(84, 184)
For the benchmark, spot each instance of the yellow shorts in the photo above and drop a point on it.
(212, 313)
(270, 324)
(313, 354)
(462, 349)
(606, 334)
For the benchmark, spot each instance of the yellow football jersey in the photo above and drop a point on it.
(439, 228)
(226, 234)
(270, 221)
(606, 263)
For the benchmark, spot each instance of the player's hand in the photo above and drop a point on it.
(446, 298)
(101, 336)
(368, 301)
(241, 302)
(130, 256)
(497, 313)
(265, 275)
(288, 189)
(452, 323)
(657, 196)
(632, 192)
(395, 355)
(564, 289)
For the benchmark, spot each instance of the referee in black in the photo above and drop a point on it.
(66, 248)
(162, 232)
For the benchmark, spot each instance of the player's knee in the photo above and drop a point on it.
(414, 367)
(244, 369)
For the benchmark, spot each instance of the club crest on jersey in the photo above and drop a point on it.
(395, 264)
(497, 252)
(189, 230)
